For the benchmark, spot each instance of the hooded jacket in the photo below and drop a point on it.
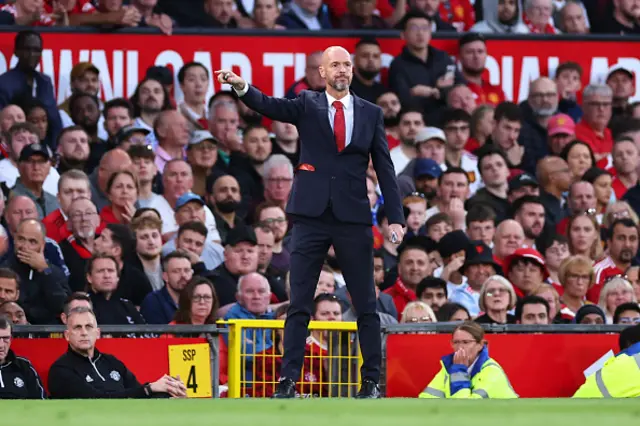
(491, 24)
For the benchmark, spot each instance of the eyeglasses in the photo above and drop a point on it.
(419, 319)
(80, 216)
(202, 298)
(579, 277)
(595, 104)
(497, 292)
(627, 320)
(268, 222)
(279, 180)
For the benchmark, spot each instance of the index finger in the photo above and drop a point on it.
(220, 72)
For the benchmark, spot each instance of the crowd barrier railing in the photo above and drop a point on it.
(149, 351)
(541, 361)
(331, 364)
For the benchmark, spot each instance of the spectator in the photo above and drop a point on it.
(508, 124)
(148, 232)
(278, 177)
(537, 16)
(224, 120)
(597, 104)
(417, 312)
(114, 161)
(561, 130)
(84, 109)
(103, 279)
(417, 206)
(14, 312)
(494, 173)
(577, 277)
(555, 249)
(432, 9)
(569, 80)
(627, 313)
(573, 18)
(453, 248)
(453, 312)
(615, 292)
(526, 269)
(429, 145)
(623, 21)
(150, 19)
(264, 16)
(633, 275)
(497, 299)
(453, 189)
(521, 185)
(173, 136)
(9, 286)
(202, 154)
(74, 150)
(160, 306)
(438, 226)
(554, 176)
(118, 114)
(367, 63)
(240, 258)
(18, 137)
(34, 167)
(482, 125)
(224, 200)
(79, 246)
(537, 110)
(73, 184)
(118, 242)
(129, 136)
(473, 58)
(425, 174)
(433, 292)
(579, 157)
(532, 310)
(389, 250)
(272, 216)
(305, 15)
(122, 190)
(191, 240)
(250, 168)
(622, 248)
(390, 104)
(285, 140)
(220, 14)
(193, 78)
(24, 81)
(550, 294)
(456, 124)
(622, 83)
(84, 78)
(19, 379)
(276, 277)
(528, 211)
(478, 266)
(44, 286)
(421, 71)
(361, 16)
(461, 97)
(67, 375)
(197, 304)
(82, 12)
(410, 125)
(584, 236)
(590, 315)
(149, 100)
(311, 79)
(601, 181)
(143, 162)
(413, 267)
(481, 224)
(501, 17)
(36, 114)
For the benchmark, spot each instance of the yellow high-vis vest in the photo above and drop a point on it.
(618, 378)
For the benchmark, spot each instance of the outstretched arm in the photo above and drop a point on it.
(285, 110)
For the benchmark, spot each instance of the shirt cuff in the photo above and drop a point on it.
(242, 92)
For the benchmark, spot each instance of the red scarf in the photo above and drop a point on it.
(81, 250)
(548, 28)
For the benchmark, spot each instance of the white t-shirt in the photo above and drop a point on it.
(10, 173)
(169, 223)
(399, 159)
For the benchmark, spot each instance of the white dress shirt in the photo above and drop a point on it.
(347, 103)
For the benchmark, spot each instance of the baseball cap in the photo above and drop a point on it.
(82, 67)
(241, 234)
(427, 133)
(522, 180)
(426, 167)
(162, 74)
(126, 131)
(200, 136)
(478, 253)
(618, 67)
(561, 124)
(526, 253)
(187, 198)
(34, 149)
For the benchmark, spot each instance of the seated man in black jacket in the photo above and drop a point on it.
(19, 379)
(84, 372)
(103, 276)
(43, 286)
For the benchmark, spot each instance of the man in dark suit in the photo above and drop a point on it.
(24, 82)
(329, 205)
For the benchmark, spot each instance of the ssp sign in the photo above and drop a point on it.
(192, 364)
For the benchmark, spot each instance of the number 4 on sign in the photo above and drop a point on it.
(193, 362)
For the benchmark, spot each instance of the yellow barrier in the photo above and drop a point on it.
(331, 366)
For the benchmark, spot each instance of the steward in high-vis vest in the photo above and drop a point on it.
(620, 375)
(469, 372)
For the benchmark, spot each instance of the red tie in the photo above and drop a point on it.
(339, 127)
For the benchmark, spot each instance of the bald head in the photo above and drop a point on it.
(171, 129)
(543, 97)
(254, 293)
(112, 162)
(553, 171)
(18, 209)
(337, 71)
(508, 238)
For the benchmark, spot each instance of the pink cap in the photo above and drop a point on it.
(561, 124)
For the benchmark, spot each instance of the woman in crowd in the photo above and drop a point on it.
(198, 303)
(555, 249)
(618, 210)
(122, 190)
(576, 276)
(601, 181)
(583, 233)
(590, 315)
(616, 291)
(469, 372)
(550, 294)
(417, 312)
(36, 114)
(579, 157)
(481, 127)
(452, 312)
(497, 298)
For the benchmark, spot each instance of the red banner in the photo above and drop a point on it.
(538, 365)
(148, 359)
(272, 63)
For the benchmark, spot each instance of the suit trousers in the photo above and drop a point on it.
(353, 244)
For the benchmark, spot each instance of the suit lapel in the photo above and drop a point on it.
(325, 126)
(358, 109)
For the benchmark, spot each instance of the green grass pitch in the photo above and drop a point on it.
(386, 412)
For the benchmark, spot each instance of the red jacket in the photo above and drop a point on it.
(401, 296)
(56, 226)
(459, 13)
(486, 93)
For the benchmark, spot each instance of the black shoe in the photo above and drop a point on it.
(286, 389)
(368, 390)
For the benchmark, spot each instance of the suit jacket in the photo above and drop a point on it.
(325, 176)
(13, 84)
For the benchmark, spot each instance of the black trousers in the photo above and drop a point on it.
(353, 244)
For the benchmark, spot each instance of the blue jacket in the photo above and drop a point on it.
(331, 177)
(158, 307)
(291, 21)
(13, 84)
(52, 254)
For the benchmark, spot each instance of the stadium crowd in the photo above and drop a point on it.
(148, 210)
